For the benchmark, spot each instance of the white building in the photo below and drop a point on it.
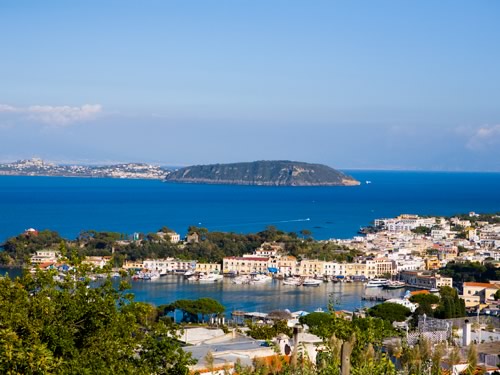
(44, 256)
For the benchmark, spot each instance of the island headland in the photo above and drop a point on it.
(264, 172)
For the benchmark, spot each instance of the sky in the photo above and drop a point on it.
(352, 84)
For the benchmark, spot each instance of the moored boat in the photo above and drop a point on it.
(260, 279)
(376, 283)
(293, 281)
(210, 278)
(311, 282)
(394, 285)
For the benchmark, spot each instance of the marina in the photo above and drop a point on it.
(262, 297)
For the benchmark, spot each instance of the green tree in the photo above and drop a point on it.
(71, 327)
(268, 332)
(391, 312)
(451, 305)
(195, 310)
(497, 295)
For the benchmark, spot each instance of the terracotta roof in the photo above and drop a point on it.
(46, 264)
(415, 292)
(248, 258)
(481, 285)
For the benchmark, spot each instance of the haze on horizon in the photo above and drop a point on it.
(351, 84)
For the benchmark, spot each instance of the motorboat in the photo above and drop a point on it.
(151, 276)
(210, 278)
(292, 281)
(394, 285)
(260, 279)
(188, 274)
(239, 280)
(376, 283)
(311, 282)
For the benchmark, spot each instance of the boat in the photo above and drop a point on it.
(239, 280)
(376, 283)
(151, 276)
(394, 285)
(210, 278)
(188, 274)
(292, 281)
(260, 279)
(311, 282)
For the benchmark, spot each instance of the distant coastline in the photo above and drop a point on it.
(259, 173)
(38, 167)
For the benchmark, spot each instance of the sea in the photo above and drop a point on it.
(70, 205)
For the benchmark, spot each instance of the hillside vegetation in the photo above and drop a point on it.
(269, 173)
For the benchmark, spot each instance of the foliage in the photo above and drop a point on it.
(497, 295)
(18, 250)
(470, 271)
(451, 305)
(71, 327)
(417, 359)
(194, 309)
(212, 246)
(319, 323)
(493, 218)
(268, 332)
(422, 230)
(425, 303)
(391, 312)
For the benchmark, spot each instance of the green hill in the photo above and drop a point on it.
(267, 173)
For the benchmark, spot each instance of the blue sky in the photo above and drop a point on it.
(352, 84)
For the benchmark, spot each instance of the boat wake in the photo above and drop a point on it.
(261, 223)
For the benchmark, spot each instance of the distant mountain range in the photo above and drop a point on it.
(267, 173)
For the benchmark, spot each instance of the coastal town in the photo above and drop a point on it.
(408, 252)
(39, 167)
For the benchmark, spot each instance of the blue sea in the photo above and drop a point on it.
(69, 205)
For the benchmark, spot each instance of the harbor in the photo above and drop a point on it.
(262, 297)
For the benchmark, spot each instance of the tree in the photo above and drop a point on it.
(497, 295)
(422, 230)
(268, 332)
(319, 323)
(391, 312)
(451, 305)
(71, 327)
(193, 310)
(425, 304)
(306, 233)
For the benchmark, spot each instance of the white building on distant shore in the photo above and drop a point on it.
(44, 256)
(405, 223)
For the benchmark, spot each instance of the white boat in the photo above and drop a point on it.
(243, 279)
(189, 273)
(394, 285)
(210, 278)
(311, 282)
(260, 279)
(151, 276)
(292, 281)
(376, 283)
